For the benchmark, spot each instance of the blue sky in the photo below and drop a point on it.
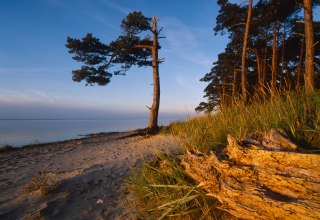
(35, 67)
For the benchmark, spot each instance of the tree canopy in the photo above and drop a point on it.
(102, 61)
(135, 47)
(275, 52)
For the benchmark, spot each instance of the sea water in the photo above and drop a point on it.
(23, 132)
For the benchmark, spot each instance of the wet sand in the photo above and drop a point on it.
(89, 174)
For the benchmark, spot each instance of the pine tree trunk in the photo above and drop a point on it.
(154, 110)
(309, 62)
(282, 54)
(264, 67)
(258, 68)
(234, 84)
(244, 52)
(298, 82)
(274, 59)
(223, 95)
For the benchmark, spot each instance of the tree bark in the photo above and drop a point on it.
(234, 84)
(261, 177)
(264, 67)
(274, 59)
(298, 82)
(154, 110)
(244, 52)
(255, 51)
(282, 53)
(309, 36)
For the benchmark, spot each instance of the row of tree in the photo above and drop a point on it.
(274, 46)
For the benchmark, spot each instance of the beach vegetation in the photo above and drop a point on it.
(298, 114)
(33, 143)
(6, 148)
(161, 188)
(275, 89)
(41, 182)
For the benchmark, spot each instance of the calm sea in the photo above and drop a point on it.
(22, 132)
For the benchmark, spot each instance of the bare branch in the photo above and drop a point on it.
(161, 60)
(300, 34)
(159, 31)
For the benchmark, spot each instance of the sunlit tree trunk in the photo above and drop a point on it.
(309, 59)
(244, 52)
(154, 110)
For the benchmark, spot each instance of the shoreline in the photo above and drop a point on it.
(19, 133)
(8, 147)
(90, 173)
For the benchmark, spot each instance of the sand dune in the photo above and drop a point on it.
(89, 174)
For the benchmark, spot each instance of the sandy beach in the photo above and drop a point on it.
(89, 175)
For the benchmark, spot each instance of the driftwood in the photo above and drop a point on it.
(262, 177)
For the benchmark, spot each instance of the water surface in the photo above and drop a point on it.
(22, 132)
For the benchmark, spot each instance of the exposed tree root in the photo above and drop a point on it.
(262, 177)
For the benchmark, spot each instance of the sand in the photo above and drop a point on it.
(89, 175)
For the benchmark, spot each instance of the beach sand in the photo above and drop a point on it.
(89, 176)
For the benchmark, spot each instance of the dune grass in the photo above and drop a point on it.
(161, 188)
(296, 113)
(6, 148)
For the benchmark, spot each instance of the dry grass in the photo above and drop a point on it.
(162, 189)
(297, 114)
(41, 182)
(6, 148)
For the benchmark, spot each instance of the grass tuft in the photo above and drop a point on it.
(6, 148)
(162, 189)
(42, 183)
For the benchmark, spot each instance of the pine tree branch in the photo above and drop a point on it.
(143, 47)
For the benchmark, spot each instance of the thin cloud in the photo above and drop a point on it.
(182, 81)
(86, 11)
(117, 7)
(31, 71)
(32, 96)
(183, 42)
(99, 18)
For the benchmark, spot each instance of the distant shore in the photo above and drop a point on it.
(88, 174)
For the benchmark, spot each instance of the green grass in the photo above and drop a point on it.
(162, 189)
(297, 114)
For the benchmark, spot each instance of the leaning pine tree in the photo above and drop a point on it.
(102, 61)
